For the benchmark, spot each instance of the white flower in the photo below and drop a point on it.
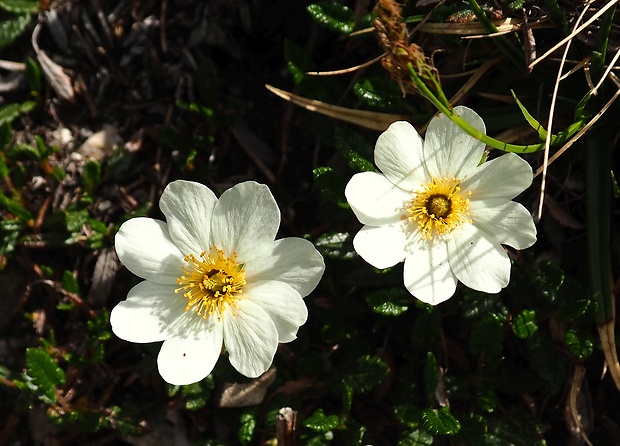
(441, 211)
(214, 276)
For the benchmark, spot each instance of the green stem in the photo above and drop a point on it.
(445, 107)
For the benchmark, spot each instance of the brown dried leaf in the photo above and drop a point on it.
(246, 394)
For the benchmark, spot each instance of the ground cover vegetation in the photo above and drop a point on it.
(280, 111)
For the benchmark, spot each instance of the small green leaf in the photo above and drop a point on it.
(298, 61)
(408, 414)
(319, 422)
(333, 16)
(487, 399)
(11, 28)
(581, 347)
(331, 184)
(74, 220)
(415, 438)
(487, 336)
(358, 162)
(195, 397)
(15, 208)
(91, 175)
(248, 426)
(11, 111)
(542, 133)
(570, 312)
(44, 371)
(70, 283)
(440, 422)
(431, 373)
(524, 324)
(20, 5)
(33, 75)
(6, 133)
(368, 372)
(336, 245)
(388, 301)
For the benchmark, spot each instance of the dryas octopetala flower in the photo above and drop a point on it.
(441, 211)
(214, 277)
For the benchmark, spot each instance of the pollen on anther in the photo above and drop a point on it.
(212, 283)
(439, 207)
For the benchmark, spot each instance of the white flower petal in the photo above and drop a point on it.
(251, 338)
(244, 219)
(448, 150)
(375, 200)
(189, 359)
(508, 223)
(503, 177)
(427, 273)
(398, 153)
(283, 304)
(188, 207)
(150, 313)
(382, 246)
(293, 260)
(145, 248)
(479, 263)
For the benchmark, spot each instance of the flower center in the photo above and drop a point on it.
(439, 207)
(211, 283)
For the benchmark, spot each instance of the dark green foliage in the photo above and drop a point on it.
(333, 15)
(440, 422)
(320, 422)
(388, 302)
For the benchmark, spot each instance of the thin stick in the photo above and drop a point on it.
(556, 86)
(576, 31)
(345, 70)
(585, 127)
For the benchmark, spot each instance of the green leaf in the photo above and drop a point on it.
(6, 133)
(70, 283)
(570, 312)
(431, 373)
(336, 245)
(298, 61)
(11, 111)
(524, 324)
(358, 162)
(415, 438)
(33, 75)
(368, 372)
(487, 336)
(74, 220)
(15, 208)
(547, 361)
(408, 414)
(440, 422)
(487, 399)
(20, 5)
(542, 133)
(248, 426)
(91, 175)
(388, 301)
(331, 184)
(44, 371)
(581, 347)
(333, 16)
(197, 395)
(12, 27)
(319, 422)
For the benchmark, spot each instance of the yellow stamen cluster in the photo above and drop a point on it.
(439, 207)
(211, 283)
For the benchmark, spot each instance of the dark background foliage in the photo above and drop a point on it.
(110, 101)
